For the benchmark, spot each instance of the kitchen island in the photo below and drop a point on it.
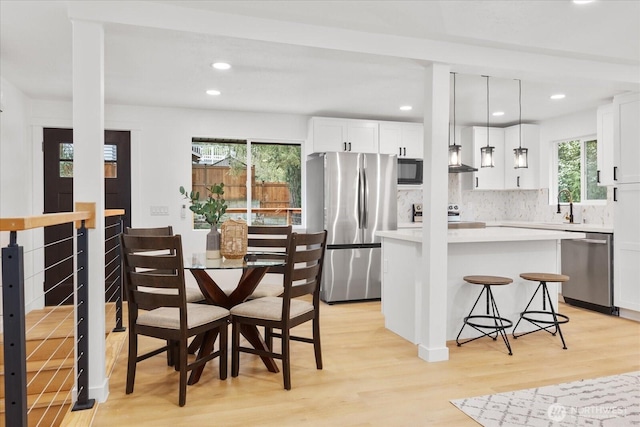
(497, 251)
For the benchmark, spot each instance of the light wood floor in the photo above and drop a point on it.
(371, 377)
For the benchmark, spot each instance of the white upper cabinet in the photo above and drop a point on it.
(402, 139)
(626, 138)
(331, 135)
(605, 145)
(486, 178)
(521, 178)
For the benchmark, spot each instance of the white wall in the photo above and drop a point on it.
(161, 151)
(16, 179)
(534, 205)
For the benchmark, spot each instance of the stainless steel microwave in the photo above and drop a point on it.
(409, 171)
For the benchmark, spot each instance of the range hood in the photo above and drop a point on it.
(462, 168)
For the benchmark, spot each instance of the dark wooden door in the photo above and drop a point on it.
(58, 197)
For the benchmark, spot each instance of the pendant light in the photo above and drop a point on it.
(520, 153)
(455, 158)
(486, 153)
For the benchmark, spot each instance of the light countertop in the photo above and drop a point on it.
(584, 228)
(489, 234)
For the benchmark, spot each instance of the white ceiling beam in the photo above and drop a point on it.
(464, 58)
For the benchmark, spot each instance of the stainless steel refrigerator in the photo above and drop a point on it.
(352, 195)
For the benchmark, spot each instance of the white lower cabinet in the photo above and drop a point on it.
(626, 244)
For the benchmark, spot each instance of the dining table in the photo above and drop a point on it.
(253, 267)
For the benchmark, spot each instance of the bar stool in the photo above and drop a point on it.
(548, 317)
(490, 323)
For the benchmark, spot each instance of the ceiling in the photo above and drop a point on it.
(590, 53)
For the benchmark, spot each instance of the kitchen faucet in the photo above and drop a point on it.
(570, 204)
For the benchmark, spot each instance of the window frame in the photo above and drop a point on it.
(553, 192)
(249, 159)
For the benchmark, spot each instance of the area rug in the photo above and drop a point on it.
(606, 401)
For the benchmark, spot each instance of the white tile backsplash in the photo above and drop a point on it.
(406, 198)
(513, 205)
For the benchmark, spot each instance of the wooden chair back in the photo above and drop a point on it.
(303, 272)
(269, 242)
(147, 272)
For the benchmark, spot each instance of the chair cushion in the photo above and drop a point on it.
(191, 294)
(269, 286)
(267, 290)
(169, 317)
(270, 308)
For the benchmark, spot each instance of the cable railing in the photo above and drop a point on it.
(53, 342)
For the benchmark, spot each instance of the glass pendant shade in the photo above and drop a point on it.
(486, 157)
(520, 154)
(486, 152)
(521, 160)
(455, 155)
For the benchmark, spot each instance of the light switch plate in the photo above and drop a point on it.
(159, 210)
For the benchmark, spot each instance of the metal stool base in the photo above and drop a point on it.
(492, 330)
(542, 324)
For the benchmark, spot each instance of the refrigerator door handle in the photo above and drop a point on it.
(360, 201)
(365, 205)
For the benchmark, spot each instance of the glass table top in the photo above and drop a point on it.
(199, 261)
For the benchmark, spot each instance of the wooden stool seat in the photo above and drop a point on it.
(490, 323)
(487, 280)
(545, 277)
(547, 319)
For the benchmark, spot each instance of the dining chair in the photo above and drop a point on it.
(267, 242)
(155, 263)
(302, 277)
(193, 293)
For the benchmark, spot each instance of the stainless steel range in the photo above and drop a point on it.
(453, 212)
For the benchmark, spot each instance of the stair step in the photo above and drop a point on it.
(47, 376)
(49, 411)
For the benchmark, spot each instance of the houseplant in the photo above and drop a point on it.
(212, 208)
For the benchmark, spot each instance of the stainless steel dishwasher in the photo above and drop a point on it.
(589, 264)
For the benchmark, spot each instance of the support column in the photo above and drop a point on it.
(88, 182)
(433, 294)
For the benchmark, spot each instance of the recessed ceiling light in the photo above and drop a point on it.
(498, 113)
(213, 92)
(406, 108)
(221, 65)
(557, 96)
(582, 1)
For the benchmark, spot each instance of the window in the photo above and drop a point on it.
(262, 180)
(576, 171)
(66, 160)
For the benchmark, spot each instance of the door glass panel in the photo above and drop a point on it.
(110, 161)
(110, 169)
(276, 188)
(66, 169)
(66, 151)
(220, 162)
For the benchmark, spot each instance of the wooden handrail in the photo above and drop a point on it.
(44, 220)
(113, 212)
(83, 211)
